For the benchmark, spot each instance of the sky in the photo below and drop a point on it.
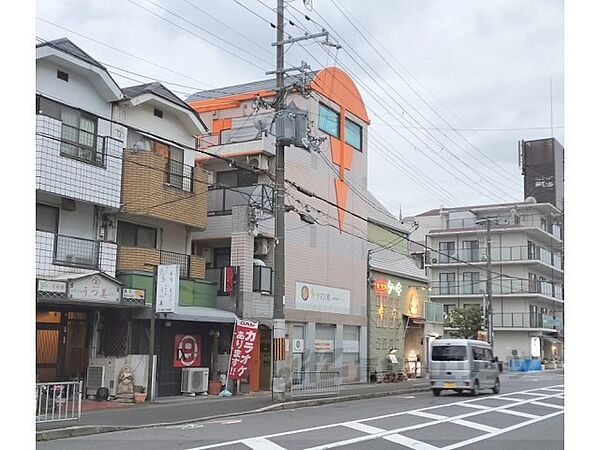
(450, 86)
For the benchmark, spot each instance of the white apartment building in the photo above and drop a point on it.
(526, 264)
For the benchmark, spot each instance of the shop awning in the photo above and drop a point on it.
(551, 339)
(193, 314)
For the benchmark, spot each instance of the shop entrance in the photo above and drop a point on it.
(414, 353)
(61, 345)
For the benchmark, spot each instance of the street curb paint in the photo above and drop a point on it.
(88, 430)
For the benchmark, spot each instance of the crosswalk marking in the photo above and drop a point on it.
(410, 443)
(364, 428)
(549, 405)
(473, 405)
(261, 444)
(517, 413)
(427, 415)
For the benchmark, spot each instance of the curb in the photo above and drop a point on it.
(88, 430)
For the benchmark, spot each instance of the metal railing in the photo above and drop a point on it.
(222, 200)
(527, 320)
(180, 175)
(499, 286)
(58, 401)
(216, 275)
(177, 258)
(315, 383)
(73, 251)
(513, 253)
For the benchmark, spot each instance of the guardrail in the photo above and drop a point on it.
(58, 401)
(315, 383)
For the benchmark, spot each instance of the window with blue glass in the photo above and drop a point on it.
(329, 121)
(353, 135)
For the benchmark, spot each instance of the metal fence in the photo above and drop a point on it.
(58, 401)
(180, 175)
(73, 251)
(183, 261)
(315, 383)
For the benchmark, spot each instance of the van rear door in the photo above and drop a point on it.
(449, 362)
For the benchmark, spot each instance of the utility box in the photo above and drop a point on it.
(291, 127)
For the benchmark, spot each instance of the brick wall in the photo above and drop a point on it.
(133, 258)
(197, 267)
(145, 192)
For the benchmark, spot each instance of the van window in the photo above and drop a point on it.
(479, 354)
(449, 353)
(488, 355)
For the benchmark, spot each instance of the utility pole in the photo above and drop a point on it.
(489, 282)
(280, 381)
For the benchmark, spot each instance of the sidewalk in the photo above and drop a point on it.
(179, 410)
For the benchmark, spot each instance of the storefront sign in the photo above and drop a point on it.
(323, 346)
(94, 288)
(167, 288)
(187, 350)
(134, 295)
(387, 287)
(242, 344)
(535, 347)
(414, 305)
(52, 286)
(322, 298)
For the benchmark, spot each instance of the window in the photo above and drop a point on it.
(479, 354)
(447, 283)
(449, 353)
(487, 354)
(236, 178)
(544, 224)
(448, 308)
(447, 250)
(79, 131)
(158, 113)
(133, 235)
(470, 250)
(46, 218)
(175, 168)
(221, 257)
(353, 135)
(470, 283)
(329, 121)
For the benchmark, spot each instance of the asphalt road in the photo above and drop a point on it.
(527, 414)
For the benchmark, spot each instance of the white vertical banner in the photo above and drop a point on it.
(167, 288)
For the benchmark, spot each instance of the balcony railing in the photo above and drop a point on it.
(142, 259)
(513, 253)
(500, 286)
(216, 275)
(527, 320)
(262, 279)
(222, 200)
(177, 258)
(434, 312)
(78, 252)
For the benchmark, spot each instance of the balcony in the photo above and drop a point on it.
(58, 254)
(222, 200)
(157, 187)
(500, 286)
(499, 254)
(528, 320)
(143, 260)
(262, 279)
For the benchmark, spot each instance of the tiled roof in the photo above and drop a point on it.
(387, 260)
(65, 45)
(157, 89)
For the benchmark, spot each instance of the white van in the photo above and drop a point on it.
(463, 365)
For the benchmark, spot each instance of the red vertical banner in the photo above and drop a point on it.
(242, 344)
(229, 279)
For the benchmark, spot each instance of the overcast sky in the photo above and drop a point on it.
(450, 86)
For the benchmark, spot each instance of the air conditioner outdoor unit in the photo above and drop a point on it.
(94, 378)
(259, 161)
(194, 380)
(112, 366)
(261, 247)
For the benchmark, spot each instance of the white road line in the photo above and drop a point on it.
(549, 405)
(552, 389)
(473, 405)
(517, 413)
(427, 415)
(261, 444)
(510, 399)
(384, 416)
(500, 431)
(533, 393)
(364, 428)
(410, 443)
(476, 426)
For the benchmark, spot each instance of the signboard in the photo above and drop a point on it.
(187, 350)
(167, 288)
(242, 344)
(323, 346)
(228, 279)
(134, 295)
(95, 288)
(52, 286)
(387, 287)
(413, 306)
(322, 298)
(536, 349)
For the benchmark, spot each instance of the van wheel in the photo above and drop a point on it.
(436, 392)
(475, 390)
(496, 388)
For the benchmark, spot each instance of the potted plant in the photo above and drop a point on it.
(139, 394)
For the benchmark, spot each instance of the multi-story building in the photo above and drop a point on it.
(326, 293)
(526, 270)
(542, 162)
(78, 188)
